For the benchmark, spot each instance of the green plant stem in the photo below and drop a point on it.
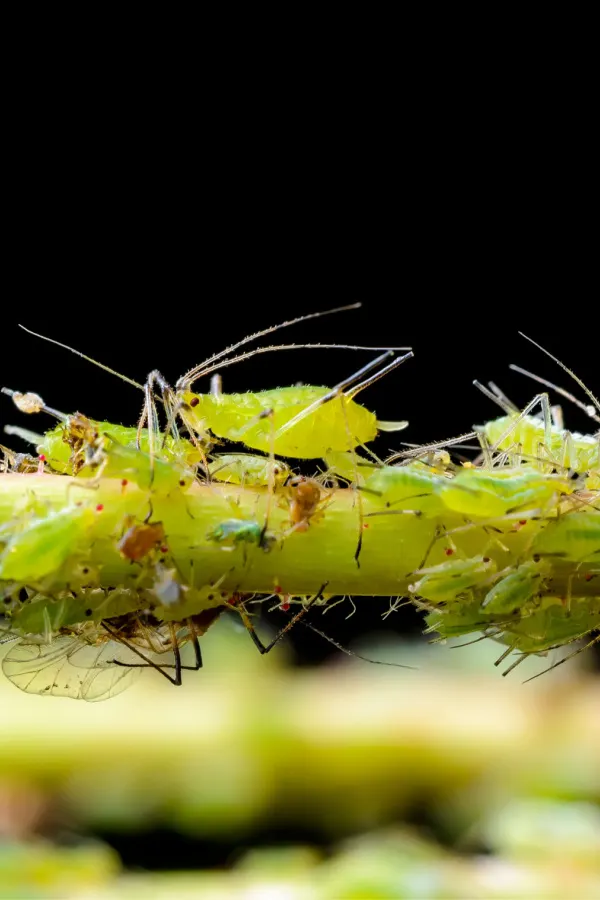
(300, 563)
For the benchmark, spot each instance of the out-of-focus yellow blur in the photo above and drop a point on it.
(348, 752)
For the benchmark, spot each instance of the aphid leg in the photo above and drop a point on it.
(340, 388)
(150, 414)
(149, 663)
(377, 662)
(565, 659)
(283, 631)
(591, 411)
(355, 486)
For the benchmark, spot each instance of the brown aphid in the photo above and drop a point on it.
(141, 539)
(305, 498)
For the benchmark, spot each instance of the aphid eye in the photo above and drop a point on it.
(449, 551)
(88, 612)
(182, 483)
(194, 401)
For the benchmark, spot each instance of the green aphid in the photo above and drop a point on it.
(578, 452)
(574, 536)
(232, 532)
(409, 486)
(459, 620)
(516, 589)
(149, 474)
(41, 548)
(445, 582)
(247, 469)
(43, 614)
(493, 493)
(551, 626)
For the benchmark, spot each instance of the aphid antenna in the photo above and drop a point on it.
(89, 359)
(183, 384)
(571, 374)
(195, 372)
(587, 408)
(207, 366)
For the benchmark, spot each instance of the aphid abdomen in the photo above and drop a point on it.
(329, 427)
(497, 492)
(445, 582)
(513, 591)
(574, 536)
(42, 547)
(405, 486)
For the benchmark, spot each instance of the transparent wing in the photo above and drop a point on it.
(70, 667)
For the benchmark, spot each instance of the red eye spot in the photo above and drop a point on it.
(284, 606)
(194, 401)
(486, 559)
(164, 549)
(277, 589)
(589, 577)
(42, 457)
(100, 507)
(449, 551)
(366, 525)
(522, 521)
(124, 483)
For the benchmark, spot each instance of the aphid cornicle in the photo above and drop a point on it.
(306, 422)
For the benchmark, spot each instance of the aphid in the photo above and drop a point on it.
(515, 589)
(141, 539)
(445, 582)
(44, 544)
(98, 661)
(233, 532)
(412, 484)
(573, 536)
(336, 421)
(247, 470)
(305, 498)
(487, 493)
(538, 438)
(82, 446)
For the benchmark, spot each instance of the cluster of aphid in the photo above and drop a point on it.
(507, 546)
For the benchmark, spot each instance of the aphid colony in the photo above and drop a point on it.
(119, 546)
